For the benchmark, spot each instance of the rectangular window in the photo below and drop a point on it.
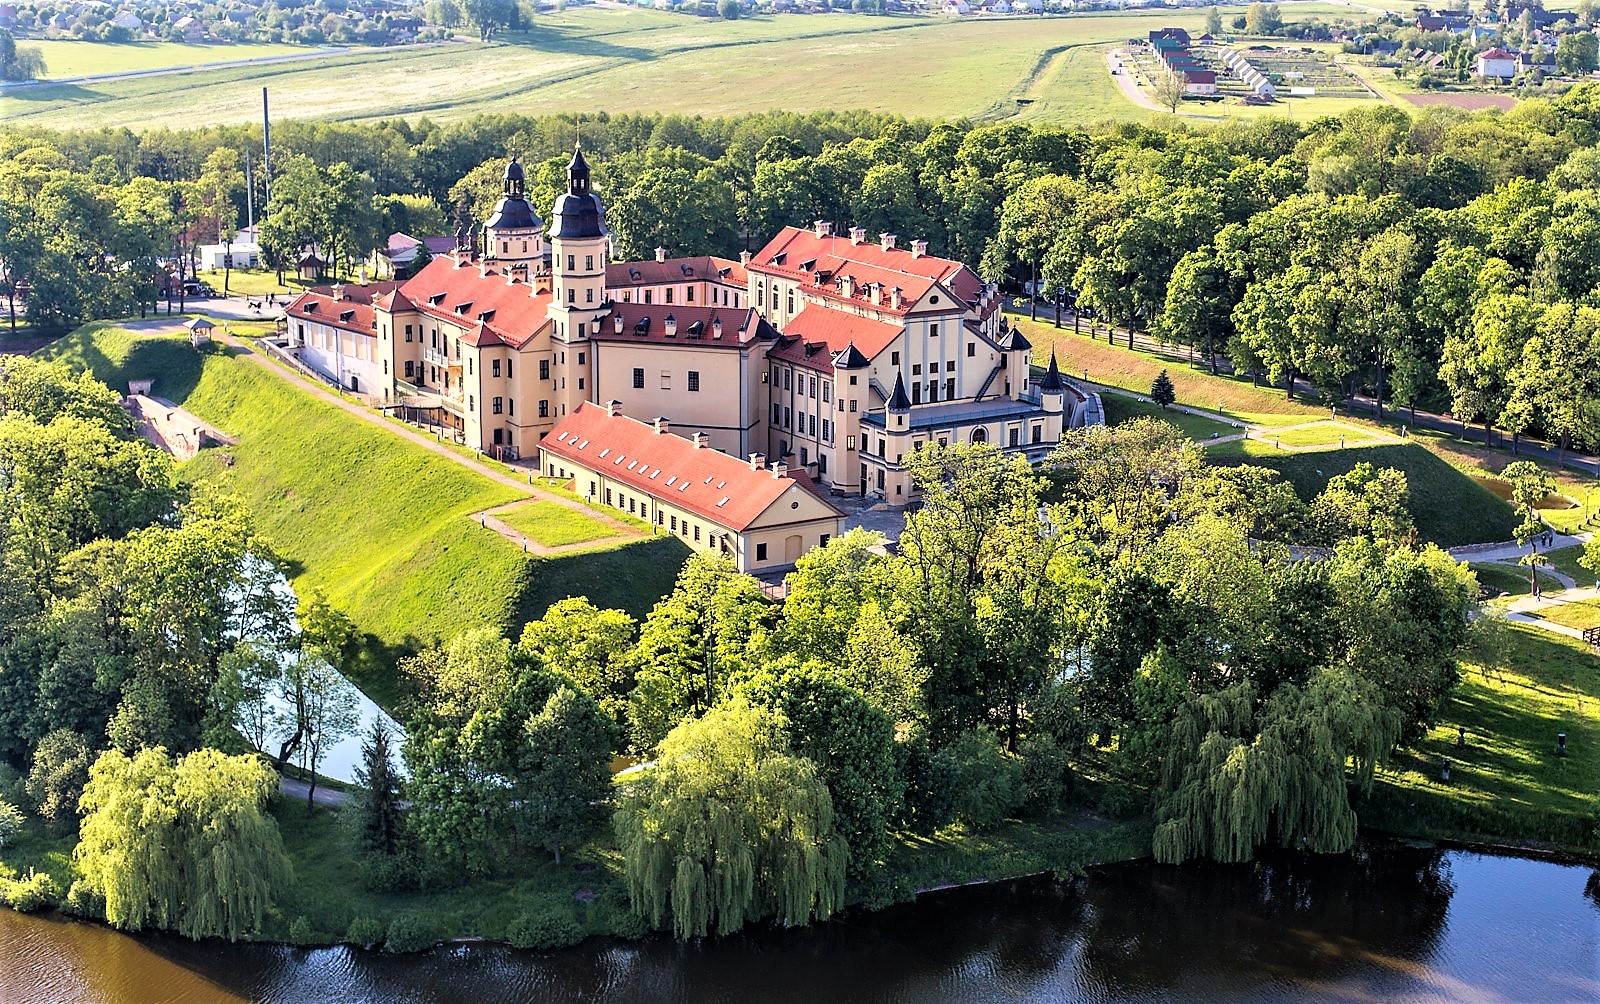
(544, 409)
(852, 406)
(811, 424)
(880, 448)
(666, 379)
(669, 295)
(852, 383)
(972, 349)
(950, 389)
(570, 266)
(472, 403)
(933, 331)
(775, 417)
(572, 295)
(638, 378)
(894, 359)
(688, 294)
(694, 380)
(674, 524)
(697, 533)
(916, 393)
(508, 369)
(950, 366)
(812, 391)
(786, 375)
(608, 496)
(580, 358)
(591, 489)
(499, 403)
(787, 424)
(1038, 433)
(827, 391)
(1014, 436)
(511, 405)
(588, 297)
(761, 552)
(805, 456)
(408, 332)
(494, 367)
(827, 431)
(849, 442)
(631, 504)
(544, 369)
(588, 263)
(469, 367)
(647, 296)
(916, 369)
(580, 383)
(411, 369)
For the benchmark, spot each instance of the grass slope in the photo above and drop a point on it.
(1120, 409)
(378, 523)
(1507, 783)
(554, 525)
(625, 60)
(76, 58)
(1449, 508)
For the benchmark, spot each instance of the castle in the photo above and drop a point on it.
(828, 354)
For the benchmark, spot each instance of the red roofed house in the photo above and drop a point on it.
(334, 330)
(1497, 64)
(763, 517)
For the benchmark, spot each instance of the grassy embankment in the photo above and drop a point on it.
(588, 60)
(1450, 508)
(376, 522)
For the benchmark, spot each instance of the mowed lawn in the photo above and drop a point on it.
(554, 525)
(75, 58)
(381, 525)
(1119, 408)
(1507, 781)
(620, 60)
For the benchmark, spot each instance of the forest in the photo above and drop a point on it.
(1124, 629)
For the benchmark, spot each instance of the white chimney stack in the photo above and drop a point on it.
(670, 326)
(887, 241)
(662, 425)
(700, 440)
(919, 249)
(757, 461)
(780, 469)
(858, 235)
(824, 228)
(661, 254)
(615, 407)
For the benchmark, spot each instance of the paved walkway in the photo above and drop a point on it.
(328, 798)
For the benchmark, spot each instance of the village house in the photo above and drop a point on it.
(1497, 64)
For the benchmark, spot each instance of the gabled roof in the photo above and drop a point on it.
(691, 325)
(833, 331)
(622, 274)
(352, 310)
(723, 489)
(801, 254)
(457, 292)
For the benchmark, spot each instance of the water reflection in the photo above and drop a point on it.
(1389, 923)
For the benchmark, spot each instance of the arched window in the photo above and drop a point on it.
(980, 435)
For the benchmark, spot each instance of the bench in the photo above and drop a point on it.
(1591, 636)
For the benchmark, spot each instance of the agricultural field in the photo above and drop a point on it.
(624, 60)
(74, 58)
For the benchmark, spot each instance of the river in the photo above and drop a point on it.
(1387, 923)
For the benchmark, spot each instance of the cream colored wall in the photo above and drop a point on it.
(714, 409)
(705, 294)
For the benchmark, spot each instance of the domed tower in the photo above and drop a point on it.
(578, 242)
(514, 234)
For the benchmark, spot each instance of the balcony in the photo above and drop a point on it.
(438, 357)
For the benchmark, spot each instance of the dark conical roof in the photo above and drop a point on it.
(1052, 382)
(514, 171)
(578, 213)
(1012, 340)
(898, 400)
(850, 358)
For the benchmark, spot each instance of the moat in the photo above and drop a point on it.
(1388, 923)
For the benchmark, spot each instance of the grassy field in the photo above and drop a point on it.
(1121, 409)
(623, 60)
(1329, 434)
(1511, 580)
(74, 58)
(1507, 783)
(554, 525)
(254, 282)
(1449, 508)
(376, 522)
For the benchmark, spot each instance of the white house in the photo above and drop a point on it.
(1497, 64)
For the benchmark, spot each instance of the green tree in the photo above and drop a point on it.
(1263, 18)
(1170, 89)
(377, 803)
(60, 770)
(1161, 391)
(19, 62)
(566, 770)
(730, 827)
(185, 846)
(1578, 53)
(592, 646)
(1530, 484)
(1213, 21)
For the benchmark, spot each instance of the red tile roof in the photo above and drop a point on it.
(716, 486)
(620, 274)
(353, 311)
(458, 293)
(819, 332)
(694, 325)
(801, 254)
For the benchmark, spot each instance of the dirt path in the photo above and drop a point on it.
(624, 532)
(328, 798)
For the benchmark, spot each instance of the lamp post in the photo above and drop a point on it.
(227, 262)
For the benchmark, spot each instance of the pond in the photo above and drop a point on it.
(1389, 922)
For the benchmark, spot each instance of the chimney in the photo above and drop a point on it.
(662, 426)
(897, 298)
(700, 440)
(877, 293)
(919, 249)
(716, 327)
(847, 285)
(887, 241)
(858, 235)
(615, 407)
(780, 469)
(744, 257)
(670, 326)
(338, 291)
(661, 254)
(616, 322)
(824, 228)
(483, 269)
(757, 461)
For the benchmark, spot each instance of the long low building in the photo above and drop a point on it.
(763, 517)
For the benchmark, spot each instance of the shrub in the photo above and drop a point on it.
(300, 931)
(365, 931)
(930, 787)
(35, 892)
(544, 929)
(82, 901)
(1046, 773)
(989, 784)
(11, 820)
(410, 932)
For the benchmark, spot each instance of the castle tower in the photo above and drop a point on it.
(1052, 390)
(514, 234)
(578, 242)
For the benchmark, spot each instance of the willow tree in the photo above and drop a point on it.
(184, 845)
(1241, 773)
(730, 827)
